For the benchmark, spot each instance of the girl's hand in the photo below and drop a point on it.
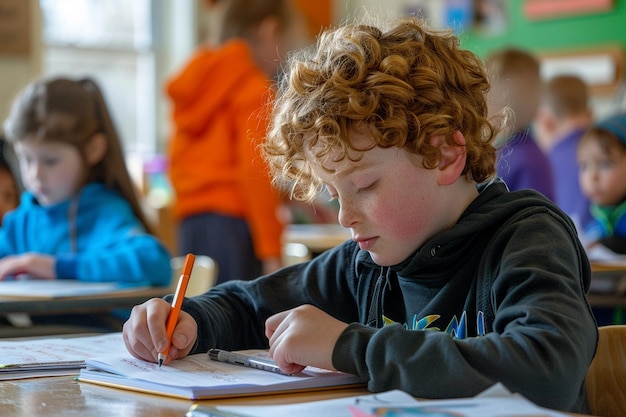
(303, 336)
(145, 335)
(35, 265)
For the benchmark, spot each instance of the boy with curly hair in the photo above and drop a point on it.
(446, 286)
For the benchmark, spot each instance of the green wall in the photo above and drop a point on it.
(553, 34)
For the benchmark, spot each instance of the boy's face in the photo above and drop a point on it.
(389, 201)
(602, 174)
(52, 171)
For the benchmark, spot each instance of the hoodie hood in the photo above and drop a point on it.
(219, 103)
(459, 263)
(197, 96)
(484, 217)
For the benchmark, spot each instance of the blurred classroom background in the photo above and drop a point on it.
(130, 47)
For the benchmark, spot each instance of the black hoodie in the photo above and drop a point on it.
(499, 297)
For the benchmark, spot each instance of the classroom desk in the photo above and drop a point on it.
(316, 237)
(62, 396)
(606, 300)
(608, 286)
(81, 303)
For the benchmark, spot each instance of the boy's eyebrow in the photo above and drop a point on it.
(354, 166)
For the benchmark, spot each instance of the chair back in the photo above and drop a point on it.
(203, 274)
(294, 253)
(606, 377)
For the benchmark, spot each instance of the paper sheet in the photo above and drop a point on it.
(55, 356)
(32, 288)
(496, 401)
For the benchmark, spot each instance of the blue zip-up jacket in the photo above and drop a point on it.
(95, 236)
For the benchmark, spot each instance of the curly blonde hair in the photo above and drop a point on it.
(401, 85)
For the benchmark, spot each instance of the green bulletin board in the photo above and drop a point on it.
(551, 34)
(576, 35)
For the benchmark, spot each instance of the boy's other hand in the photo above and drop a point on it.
(145, 335)
(303, 336)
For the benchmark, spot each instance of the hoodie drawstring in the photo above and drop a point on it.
(374, 316)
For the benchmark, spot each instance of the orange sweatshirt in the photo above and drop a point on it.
(215, 163)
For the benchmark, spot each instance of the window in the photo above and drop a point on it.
(112, 42)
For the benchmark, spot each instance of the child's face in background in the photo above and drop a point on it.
(52, 171)
(388, 200)
(602, 174)
(8, 193)
(273, 41)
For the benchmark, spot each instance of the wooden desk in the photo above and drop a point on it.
(607, 267)
(80, 304)
(608, 286)
(316, 237)
(62, 396)
(606, 300)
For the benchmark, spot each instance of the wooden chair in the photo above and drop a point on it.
(606, 377)
(203, 274)
(294, 253)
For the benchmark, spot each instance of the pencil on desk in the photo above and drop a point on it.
(197, 410)
(177, 304)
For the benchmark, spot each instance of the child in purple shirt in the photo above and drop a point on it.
(516, 85)
(563, 117)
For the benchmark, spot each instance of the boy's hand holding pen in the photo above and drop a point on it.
(177, 304)
(157, 329)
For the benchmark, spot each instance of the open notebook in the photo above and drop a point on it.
(29, 358)
(197, 377)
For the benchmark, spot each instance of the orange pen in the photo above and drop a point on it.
(177, 304)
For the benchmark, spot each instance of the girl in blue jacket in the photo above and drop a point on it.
(79, 217)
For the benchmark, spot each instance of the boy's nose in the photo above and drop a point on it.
(347, 215)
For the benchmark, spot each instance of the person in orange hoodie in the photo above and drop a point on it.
(224, 200)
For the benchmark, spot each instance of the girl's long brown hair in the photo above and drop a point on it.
(72, 111)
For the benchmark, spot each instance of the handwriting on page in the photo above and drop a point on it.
(58, 349)
(201, 371)
(194, 370)
(139, 366)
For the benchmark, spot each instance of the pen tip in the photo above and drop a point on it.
(160, 363)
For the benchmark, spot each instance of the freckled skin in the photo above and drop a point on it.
(391, 203)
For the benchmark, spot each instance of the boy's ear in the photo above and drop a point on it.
(452, 158)
(95, 149)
